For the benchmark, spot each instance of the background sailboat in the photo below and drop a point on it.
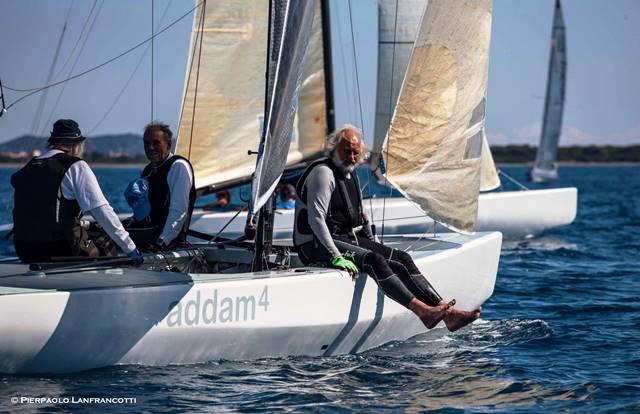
(545, 168)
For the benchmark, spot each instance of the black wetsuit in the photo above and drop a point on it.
(394, 270)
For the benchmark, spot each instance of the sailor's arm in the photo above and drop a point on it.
(111, 224)
(179, 179)
(81, 184)
(319, 186)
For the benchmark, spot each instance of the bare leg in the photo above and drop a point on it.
(456, 318)
(429, 315)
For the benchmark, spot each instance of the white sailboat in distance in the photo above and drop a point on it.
(545, 168)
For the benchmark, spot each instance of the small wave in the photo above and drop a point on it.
(544, 243)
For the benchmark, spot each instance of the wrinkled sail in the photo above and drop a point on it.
(399, 24)
(224, 99)
(286, 58)
(545, 167)
(434, 145)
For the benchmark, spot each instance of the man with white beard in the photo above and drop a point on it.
(331, 228)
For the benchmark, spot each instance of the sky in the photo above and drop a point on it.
(602, 98)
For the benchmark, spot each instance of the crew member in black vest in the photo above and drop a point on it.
(331, 228)
(52, 192)
(171, 193)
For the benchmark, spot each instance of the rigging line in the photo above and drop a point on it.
(513, 180)
(152, 47)
(195, 92)
(126, 85)
(355, 65)
(393, 62)
(73, 50)
(75, 63)
(131, 49)
(343, 61)
(2, 110)
(43, 98)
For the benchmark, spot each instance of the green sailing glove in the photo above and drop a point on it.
(340, 262)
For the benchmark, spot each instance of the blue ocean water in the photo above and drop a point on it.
(561, 333)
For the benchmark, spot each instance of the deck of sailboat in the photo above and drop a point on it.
(18, 279)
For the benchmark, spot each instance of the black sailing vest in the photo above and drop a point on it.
(345, 207)
(45, 224)
(160, 197)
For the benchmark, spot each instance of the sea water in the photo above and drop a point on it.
(561, 333)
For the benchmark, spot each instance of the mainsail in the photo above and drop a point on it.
(433, 148)
(399, 24)
(291, 29)
(224, 99)
(545, 167)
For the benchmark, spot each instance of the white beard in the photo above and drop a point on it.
(345, 167)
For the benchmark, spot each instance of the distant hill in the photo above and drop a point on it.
(124, 145)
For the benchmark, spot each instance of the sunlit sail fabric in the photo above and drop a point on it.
(225, 87)
(554, 101)
(223, 121)
(399, 24)
(284, 82)
(489, 179)
(433, 147)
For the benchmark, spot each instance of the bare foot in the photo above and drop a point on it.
(456, 318)
(429, 315)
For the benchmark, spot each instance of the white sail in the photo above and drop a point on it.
(291, 28)
(434, 145)
(489, 179)
(225, 81)
(399, 24)
(545, 168)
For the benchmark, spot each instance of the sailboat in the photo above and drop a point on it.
(545, 169)
(207, 302)
(516, 214)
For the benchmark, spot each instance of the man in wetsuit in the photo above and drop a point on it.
(331, 229)
(171, 193)
(51, 193)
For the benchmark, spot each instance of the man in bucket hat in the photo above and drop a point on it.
(52, 192)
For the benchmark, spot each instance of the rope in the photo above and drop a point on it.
(195, 92)
(355, 66)
(75, 63)
(128, 82)
(152, 50)
(126, 52)
(513, 180)
(393, 62)
(43, 98)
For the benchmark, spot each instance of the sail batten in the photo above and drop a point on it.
(434, 145)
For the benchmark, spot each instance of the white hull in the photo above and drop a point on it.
(539, 175)
(516, 214)
(173, 318)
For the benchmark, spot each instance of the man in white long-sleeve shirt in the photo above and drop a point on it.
(172, 192)
(52, 192)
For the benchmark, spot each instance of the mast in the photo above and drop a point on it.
(328, 65)
(259, 241)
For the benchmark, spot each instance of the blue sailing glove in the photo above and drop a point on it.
(136, 257)
(342, 263)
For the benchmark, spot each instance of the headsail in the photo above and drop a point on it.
(399, 24)
(545, 168)
(224, 98)
(289, 40)
(433, 148)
